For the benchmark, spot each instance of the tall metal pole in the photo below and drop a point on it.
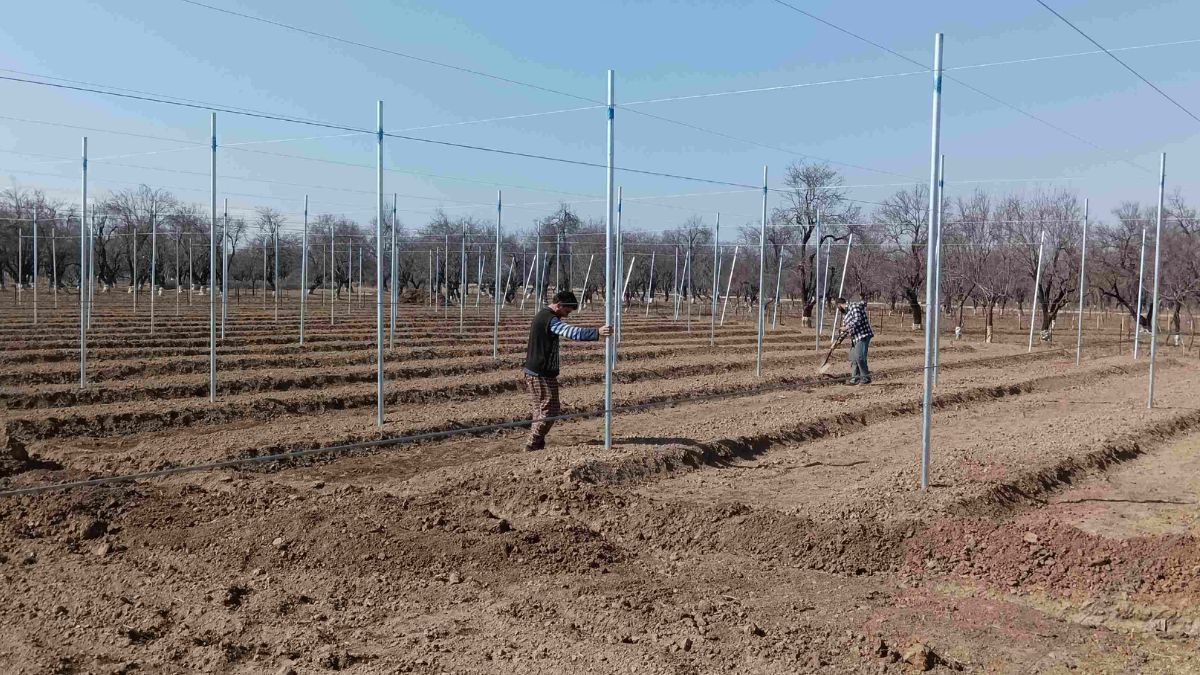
(1137, 320)
(937, 282)
(729, 283)
(394, 291)
(650, 288)
(264, 295)
(462, 278)
(841, 287)
(687, 275)
(378, 264)
(1082, 286)
(558, 262)
(1162, 178)
(620, 299)
(762, 276)
(587, 275)
(275, 235)
(35, 263)
(332, 271)
(778, 284)
(818, 307)
(512, 264)
(54, 258)
(931, 261)
(133, 264)
(716, 284)
(178, 275)
(1037, 289)
(536, 270)
(91, 265)
(20, 275)
(212, 271)
(153, 260)
(480, 263)
(609, 281)
(84, 281)
(224, 266)
(304, 270)
(674, 285)
(349, 274)
(498, 295)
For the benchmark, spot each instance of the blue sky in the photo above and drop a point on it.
(658, 49)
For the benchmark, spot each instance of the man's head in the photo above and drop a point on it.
(564, 303)
(842, 303)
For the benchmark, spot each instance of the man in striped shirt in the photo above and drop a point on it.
(542, 361)
(857, 327)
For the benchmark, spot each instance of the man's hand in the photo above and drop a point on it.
(606, 330)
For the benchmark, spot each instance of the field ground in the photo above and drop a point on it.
(741, 524)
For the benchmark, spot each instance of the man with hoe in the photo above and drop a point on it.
(857, 327)
(541, 361)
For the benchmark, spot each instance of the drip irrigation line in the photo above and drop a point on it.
(430, 435)
(1118, 60)
(978, 91)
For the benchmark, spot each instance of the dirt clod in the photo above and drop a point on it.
(921, 656)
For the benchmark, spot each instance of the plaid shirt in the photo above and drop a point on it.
(855, 324)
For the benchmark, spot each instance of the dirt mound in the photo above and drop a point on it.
(1055, 557)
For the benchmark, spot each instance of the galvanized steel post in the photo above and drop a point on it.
(609, 342)
(931, 262)
(762, 278)
(1162, 178)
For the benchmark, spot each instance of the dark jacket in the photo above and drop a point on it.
(541, 357)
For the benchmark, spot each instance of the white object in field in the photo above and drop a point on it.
(728, 284)
(1162, 177)
(762, 278)
(1037, 287)
(931, 262)
(650, 288)
(498, 293)
(1082, 286)
(842, 286)
(609, 286)
(716, 284)
(1137, 319)
(958, 332)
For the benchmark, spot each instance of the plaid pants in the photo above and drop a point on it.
(544, 394)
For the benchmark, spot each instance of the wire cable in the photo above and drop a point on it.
(959, 82)
(492, 76)
(1118, 60)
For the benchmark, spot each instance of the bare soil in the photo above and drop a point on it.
(768, 524)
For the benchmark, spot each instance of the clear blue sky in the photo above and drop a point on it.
(658, 49)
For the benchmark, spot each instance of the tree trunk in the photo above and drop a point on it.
(915, 306)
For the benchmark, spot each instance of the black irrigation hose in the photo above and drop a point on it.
(429, 435)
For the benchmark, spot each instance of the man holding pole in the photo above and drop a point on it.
(542, 361)
(857, 327)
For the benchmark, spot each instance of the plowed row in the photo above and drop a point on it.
(739, 523)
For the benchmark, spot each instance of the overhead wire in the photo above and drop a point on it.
(492, 76)
(1114, 57)
(959, 82)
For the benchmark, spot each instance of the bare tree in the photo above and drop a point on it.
(814, 190)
